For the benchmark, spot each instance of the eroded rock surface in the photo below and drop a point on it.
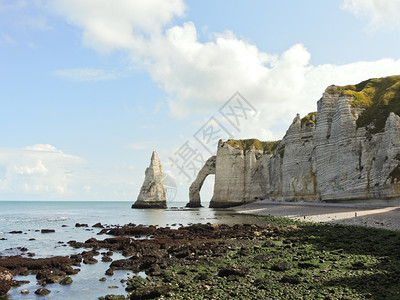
(153, 193)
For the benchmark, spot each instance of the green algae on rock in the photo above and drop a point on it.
(378, 97)
(284, 259)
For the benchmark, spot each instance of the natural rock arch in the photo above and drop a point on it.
(195, 187)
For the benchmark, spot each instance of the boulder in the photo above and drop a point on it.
(66, 281)
(42, 292)
(5, 281)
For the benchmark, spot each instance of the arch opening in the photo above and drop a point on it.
(194, 190)
(207, 190)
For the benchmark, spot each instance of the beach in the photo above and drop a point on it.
(376, 216)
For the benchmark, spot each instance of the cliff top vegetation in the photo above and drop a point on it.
(266, 147)
(378, 96)
(311, 118)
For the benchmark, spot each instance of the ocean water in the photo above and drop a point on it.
(32, 216)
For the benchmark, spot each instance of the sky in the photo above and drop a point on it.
(89, 88)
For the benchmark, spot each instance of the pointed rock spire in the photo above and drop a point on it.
(153, 193)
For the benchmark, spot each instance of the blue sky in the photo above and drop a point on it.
(90, 87)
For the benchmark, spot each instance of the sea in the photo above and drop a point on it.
(30, 217)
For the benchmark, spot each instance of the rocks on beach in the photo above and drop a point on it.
(47, 270)
(5, 281)
(42, 292)
(66, 281)
(98, 225)
(178, 259)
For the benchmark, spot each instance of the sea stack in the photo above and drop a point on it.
(153, 193)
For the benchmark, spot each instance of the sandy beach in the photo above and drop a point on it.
(377, 216)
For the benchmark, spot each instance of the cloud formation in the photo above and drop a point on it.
(200, 76)
(381, 13)
(37, 169)
(119, 24)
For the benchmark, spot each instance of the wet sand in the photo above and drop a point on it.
(387, 217)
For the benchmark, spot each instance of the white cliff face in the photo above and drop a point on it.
(297, 174)
(229, 186)
(247, 175)
(353, 164)
(153, 193)
(322, 159)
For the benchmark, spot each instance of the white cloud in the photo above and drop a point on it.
(86, 74)
(201, 76)
(42, 147)
(38, 169)
(381, 13)
(118, 24)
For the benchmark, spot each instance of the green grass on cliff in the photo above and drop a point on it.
(245, 145)
(378, 96)
(311, 118)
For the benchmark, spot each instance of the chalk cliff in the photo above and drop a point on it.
(348, 150)
(153, 193)
(249, 170)
(353, 161)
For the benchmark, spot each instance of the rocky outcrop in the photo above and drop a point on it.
(194, 190)
(348, 150)
(153, 193)
(5, 281)
(239, 177)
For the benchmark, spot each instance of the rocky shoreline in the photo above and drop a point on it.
(281, 258)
